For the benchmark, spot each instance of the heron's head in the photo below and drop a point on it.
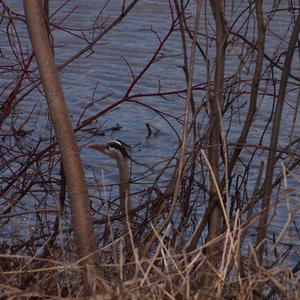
(114, 149)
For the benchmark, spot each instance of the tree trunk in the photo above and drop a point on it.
(76, 185)
(216, 100)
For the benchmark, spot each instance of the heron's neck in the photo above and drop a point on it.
(124, 183)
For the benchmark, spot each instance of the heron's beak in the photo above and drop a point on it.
(98, 147)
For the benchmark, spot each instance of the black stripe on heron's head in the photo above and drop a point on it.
(120, 146)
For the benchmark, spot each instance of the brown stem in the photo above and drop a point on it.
(260, 45)
(214, 224)
(274, 141)
(180, 166)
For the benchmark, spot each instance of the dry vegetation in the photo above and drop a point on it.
(223, 225)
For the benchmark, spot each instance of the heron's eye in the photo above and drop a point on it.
(111, 146)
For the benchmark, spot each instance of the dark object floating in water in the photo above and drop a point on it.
(116, 128)
(152, 130)
(101, 132)
(94, 131)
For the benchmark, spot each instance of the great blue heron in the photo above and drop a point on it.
(117, 150)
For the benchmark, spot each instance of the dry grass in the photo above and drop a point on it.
(168, 272)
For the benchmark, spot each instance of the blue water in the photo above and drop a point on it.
(105, 73)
